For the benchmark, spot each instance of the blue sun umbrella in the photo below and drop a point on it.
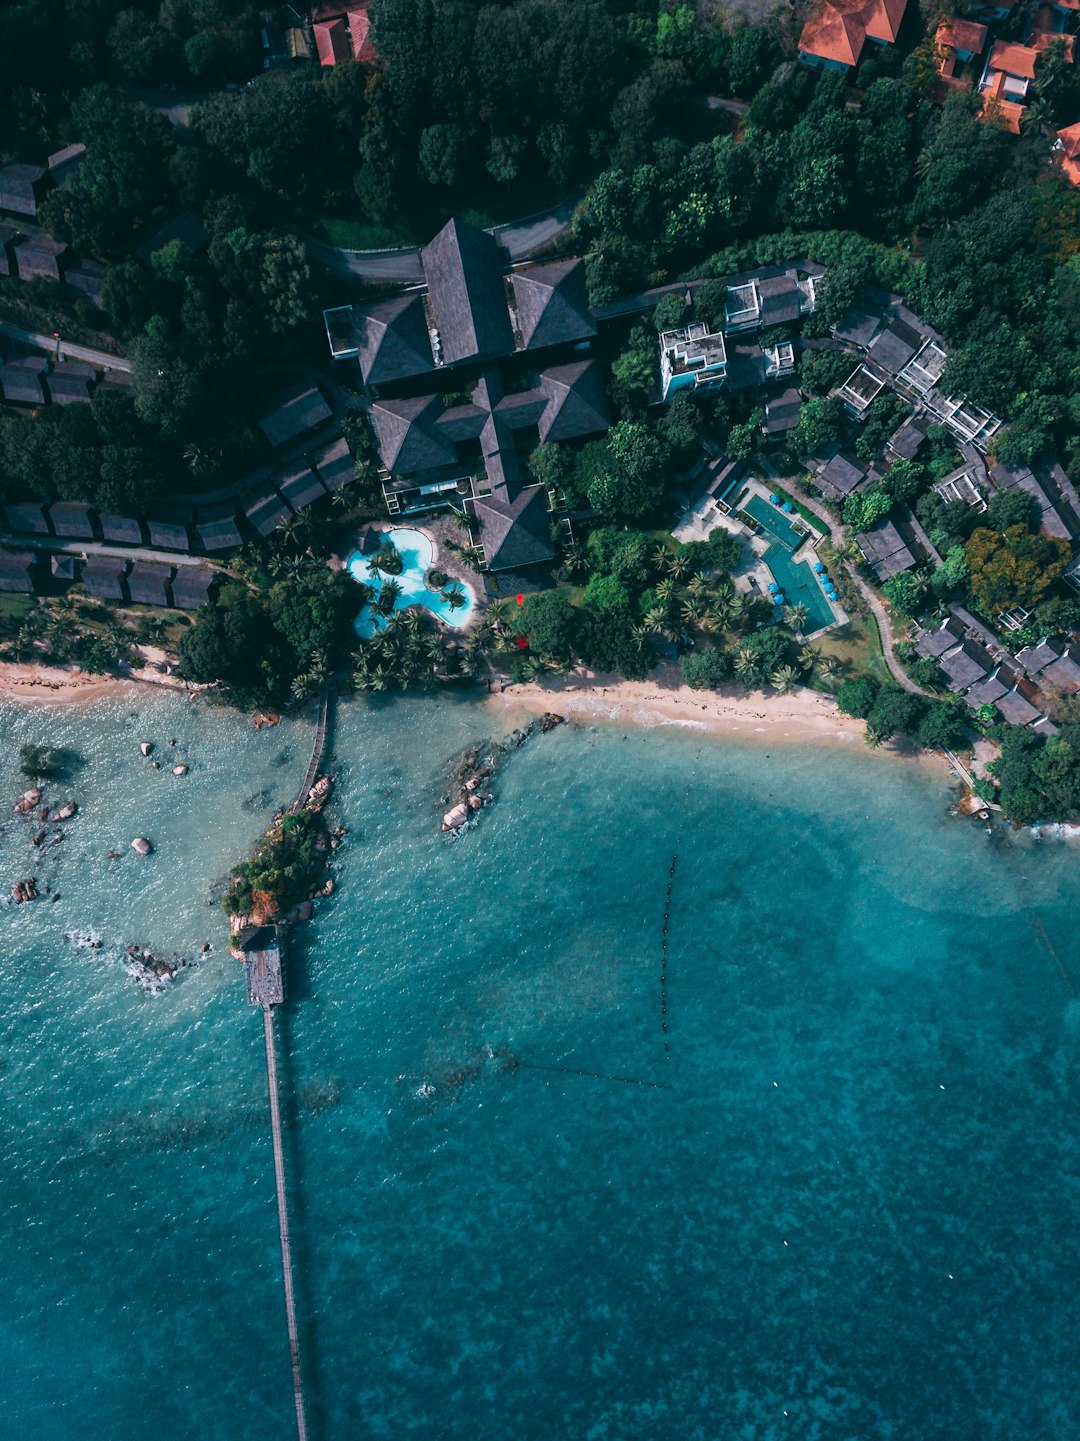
(774, 498)
(788, 507)
(773, 587)
(779, 600)
(819, 569)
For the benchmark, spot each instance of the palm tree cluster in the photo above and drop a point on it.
(405, 655)
(684, 601)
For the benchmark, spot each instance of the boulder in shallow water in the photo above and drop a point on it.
(66, 812)
(179, 770)
(24, 890)
(456, 817)
(141, 846)
(146, 747)
(28, 800)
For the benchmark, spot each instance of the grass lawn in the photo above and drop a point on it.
(361, 235)
(13, 611)
(857, 646)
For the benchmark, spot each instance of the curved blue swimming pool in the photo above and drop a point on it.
(416, 552)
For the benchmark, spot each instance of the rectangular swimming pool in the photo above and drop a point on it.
(778, 525)
(799, 585)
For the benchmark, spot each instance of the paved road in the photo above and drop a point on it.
(523, 238)
(95, 547)
(103, 358)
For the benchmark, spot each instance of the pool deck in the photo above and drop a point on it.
(440, 531)
(783, 530)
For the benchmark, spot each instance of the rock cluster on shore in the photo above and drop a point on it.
(29, 805)
(477, 767)
(24, 890)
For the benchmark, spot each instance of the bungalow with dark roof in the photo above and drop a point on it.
(17, 571)
(26, 517)
(1064, 673)
(516, 532)
(193, 586)
(148, 583)
(1035, 658)
(549, 306)
(293, 414)
(467, 311)
(299, 486)
(8, 235)
(265, 511)
(69, 382)
(72, 520)
(966, 664)
(335, 464)
(104, 576)
(64, 164)
(21, 380)
(87, 278)
(40, 257)
(121, 529)
(884, 550)
(64, 568)
(840, 475)
(342, 32)
(937, 642)
(1016, 709)
(781, 412)
(389, 339)
(986, 692)
(907, 440)
(23, 188)
(835, 37)
(895, 346)
(170, 532)
(217, 529)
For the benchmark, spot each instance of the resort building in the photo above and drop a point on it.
(1009, 74)
(835, 38)
(342, 33)
(465, 377)
(23, 188)
(1067, 152)
(694, 358)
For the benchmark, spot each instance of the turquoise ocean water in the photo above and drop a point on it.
(846, 1206)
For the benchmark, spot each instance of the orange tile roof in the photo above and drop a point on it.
(962, 35)
(341, 32)
(1012, 59)
(1070, 141)
(995, 108)
(840, 29)
(883, 19)
(1071, 170)
(1040, 39)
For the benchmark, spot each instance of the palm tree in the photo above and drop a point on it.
(389, 595)
(691, 612)
(1038, 116)
(472, 555)
(640, 633)
(661, 555)
(498, 618)
(827, 667)
(809, 657)
(454, 595)
(796, 615)
(698, 587)
(745, 664)
(677, 565)
(655, 619)
(665, 591)
(784, 678)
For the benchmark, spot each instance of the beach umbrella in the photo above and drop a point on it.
(773, 585)
(774, 498)
(788, 507)
(778, 599)
(819, 569)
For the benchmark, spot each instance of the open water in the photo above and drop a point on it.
(845, 1205)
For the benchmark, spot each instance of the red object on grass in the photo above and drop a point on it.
(520, 599)
(523, 642)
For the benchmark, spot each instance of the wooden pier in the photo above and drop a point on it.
(316, 750)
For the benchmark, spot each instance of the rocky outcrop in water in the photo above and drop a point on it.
(28, 801)
(24, 890)
(141, 846)
(474, 771)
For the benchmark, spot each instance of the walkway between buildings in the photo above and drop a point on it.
(103, 358)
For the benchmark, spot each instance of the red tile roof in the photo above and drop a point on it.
(841, 28)
(342, 32)
(996, 107)
(1068, 153)
(962, 35)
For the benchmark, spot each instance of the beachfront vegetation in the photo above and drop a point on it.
(282, 870)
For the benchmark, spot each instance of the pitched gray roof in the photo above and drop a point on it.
(26, 517)
(515, 532)
(780, 299)
(966, 664)
(103, 575)
(937, 642)
(63, 164)
(218, 529)
(21, 380)
(408, 441)
(121, 528)
(266, 511)
(299, 486)
(986, 692)
(192, 586)
(69, 381)
(148, 582)
(463, 271)
(577, 401)
(293, 413)
(39, 254)
(392, 340)
(1017, 710)
(168, 535)
(782, 411)
(550, 304)
(20, 187)
(72, 519)
(1064, 674)
(334, 463)
(895, 346)
(841, 474)
(15, 571)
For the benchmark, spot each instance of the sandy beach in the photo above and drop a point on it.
(58, 685)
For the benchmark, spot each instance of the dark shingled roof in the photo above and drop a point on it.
(937, 642)
(192, 586)
(21, 380)
(1064, 674)
(218, 529)
(910, 436)
(392, 340)
(300, 486)
(335, 464)
(40, 255)
(1035, 658)
(72, 520)
(884, 549)
(168, 534)
(780, 300)
(464, 278)
(986, 692)
(148, 583)
(7, 248)
(266, 511)
(782, 412)
(64, 164)
(895, 346)
(293, 413)
(185, 226)
(103, 576)
(577, 401)
(69, 381)
(15, 571)
(122, 529)
(550, 304)
(88, 278)
(21, 187)
(515, 532)
(26, 517)
(966, 665)
(408, 441)
(63, 567)
(841, 474)
(1016, 709)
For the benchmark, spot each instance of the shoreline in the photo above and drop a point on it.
(801, 717)
(32, 683)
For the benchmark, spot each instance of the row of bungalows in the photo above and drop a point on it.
(28, 254)
(982, 672)
(108, 577)
(36, 380)
(23, 186)
(184, 529)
